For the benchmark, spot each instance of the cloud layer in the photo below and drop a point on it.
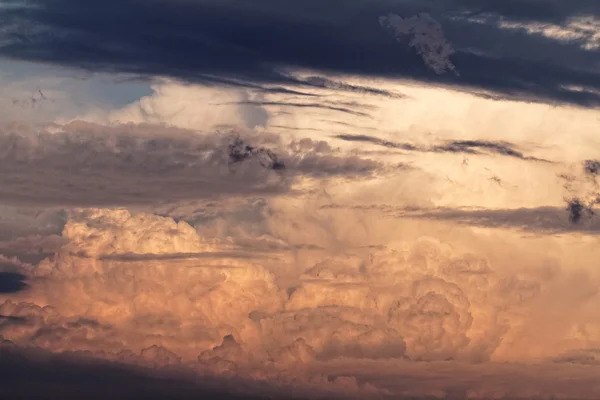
(88, 164)
(210, 42)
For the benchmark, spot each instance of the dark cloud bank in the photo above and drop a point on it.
(35, 374)
(251, 43)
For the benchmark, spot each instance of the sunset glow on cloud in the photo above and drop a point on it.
(391, 200)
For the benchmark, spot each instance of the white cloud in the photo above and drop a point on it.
(189, 107)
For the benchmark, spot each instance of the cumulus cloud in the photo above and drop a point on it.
(401, 305)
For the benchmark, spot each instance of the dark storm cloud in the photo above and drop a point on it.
(242, 42)
(33, 374)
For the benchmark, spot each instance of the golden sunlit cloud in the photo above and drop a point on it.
(288, 232)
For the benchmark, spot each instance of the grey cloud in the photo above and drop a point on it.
(427, 37)
(306, 158)
(542, 220)
(577, 209)
(87, 164)
(458, 381)
(376, 141)
(240, 152)
(239, 43)
(501, 148)
(318, 81)
(545, 220)
(583, 356)
(332, 165)
(592, 167)
(16, 221)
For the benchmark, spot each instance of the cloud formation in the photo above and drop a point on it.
(89, 164)
(332, 214)
(420, 307)
(426, 36)
(213, 45)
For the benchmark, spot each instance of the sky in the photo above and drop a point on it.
(370, 199)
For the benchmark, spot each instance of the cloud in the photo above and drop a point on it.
(420, 306)
(377, 141)
(427, 37)
(533, 10)
(417, 256)
(454, 146)
(21, 221)
(592, 167)
(239, 152)
(540, 220)
(176, 104)
(11, 282)
(500, 148)
(322, 39)
(89, 164)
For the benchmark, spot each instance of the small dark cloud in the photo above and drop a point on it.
(470, 146)
(12, 282)
(239, 152)
(592, 167)
(576, 209)
(376, 141)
